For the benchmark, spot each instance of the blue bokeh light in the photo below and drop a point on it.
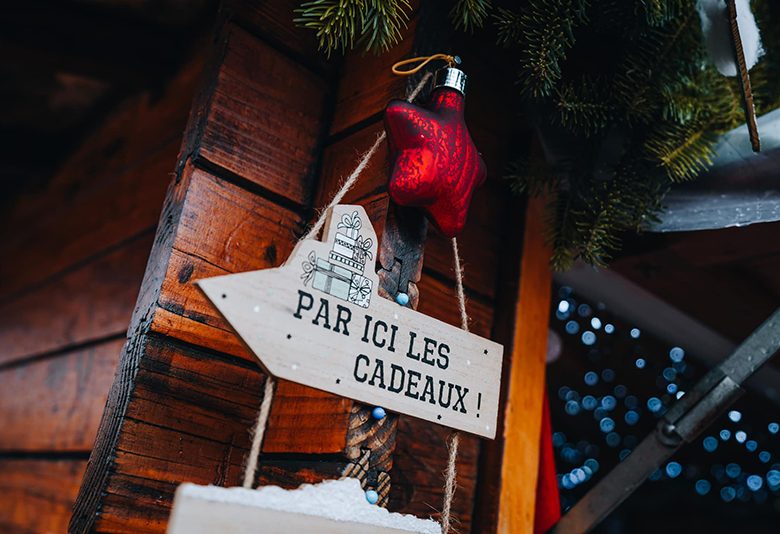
(703, 486)
(673, 469)
(631, 418)
(588, 338)
(654, 404)
(676, 354)
(710, 444)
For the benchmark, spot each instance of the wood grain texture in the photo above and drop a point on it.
(523, 412)
(187, 419)
(90, 303)
(265, 117)
(38, 494)
(274, 21)
(367, 83)
(418, 472)
(54, 404)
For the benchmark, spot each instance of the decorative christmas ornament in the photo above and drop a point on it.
(435, 165)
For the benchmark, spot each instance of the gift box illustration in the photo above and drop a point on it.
(341, 274)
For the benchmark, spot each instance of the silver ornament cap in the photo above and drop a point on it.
(451, 77)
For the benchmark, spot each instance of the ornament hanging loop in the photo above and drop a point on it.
(452, 61)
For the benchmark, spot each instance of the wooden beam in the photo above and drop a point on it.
(523, 413)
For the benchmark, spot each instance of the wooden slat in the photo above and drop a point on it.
(55, 404)
(418, 472)
(187, 419)
(273, 21)
(90, 303)
(265, 117)
(367, 82)
(523, 412)
(701, 292)
(38, 494)
(254, 233)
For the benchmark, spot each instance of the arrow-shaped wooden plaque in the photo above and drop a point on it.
(319, 321)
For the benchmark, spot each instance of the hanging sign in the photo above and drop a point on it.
(319, 321)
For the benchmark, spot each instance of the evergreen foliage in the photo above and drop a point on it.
(343, 24)
(627, 80)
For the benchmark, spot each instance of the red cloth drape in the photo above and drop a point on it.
(548, 504)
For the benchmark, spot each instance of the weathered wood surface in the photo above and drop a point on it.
(89, 303)
(38, 494)
(269, 132)
(54, 404)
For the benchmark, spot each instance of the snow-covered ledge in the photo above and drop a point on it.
(331, 507)
(742, 187)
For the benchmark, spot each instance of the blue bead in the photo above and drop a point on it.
(402, 299)
(372, 496)
(378, 413)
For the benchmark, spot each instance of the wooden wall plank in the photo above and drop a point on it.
(38, 494)
(418, 472)
(187, 419)
(55, 404)
(274, 22)
(367, 82)
(254, 233)
(265, 117)
(92, 302)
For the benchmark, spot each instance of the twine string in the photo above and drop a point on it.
(451, 472)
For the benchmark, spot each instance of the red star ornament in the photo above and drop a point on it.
(434, 163)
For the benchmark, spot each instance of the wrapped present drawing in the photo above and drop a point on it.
(341, 274)
(343, 251)
(360, 291)
(350, 225)
(332, 279)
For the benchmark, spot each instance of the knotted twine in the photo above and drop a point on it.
(268, 392)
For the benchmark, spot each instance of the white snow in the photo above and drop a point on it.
(340, 500)
(717, 34)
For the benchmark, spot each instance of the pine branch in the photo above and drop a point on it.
(469, 15)
(342, 24)
(543, 31)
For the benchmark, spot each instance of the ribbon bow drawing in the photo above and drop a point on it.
(309, 266)
(363, 249)
(350, 222)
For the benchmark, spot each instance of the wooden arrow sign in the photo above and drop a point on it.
(319, 321)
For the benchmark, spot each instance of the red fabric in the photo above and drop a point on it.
(548, 503)
(435, 165)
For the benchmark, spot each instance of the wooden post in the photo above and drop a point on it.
(523, 414)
